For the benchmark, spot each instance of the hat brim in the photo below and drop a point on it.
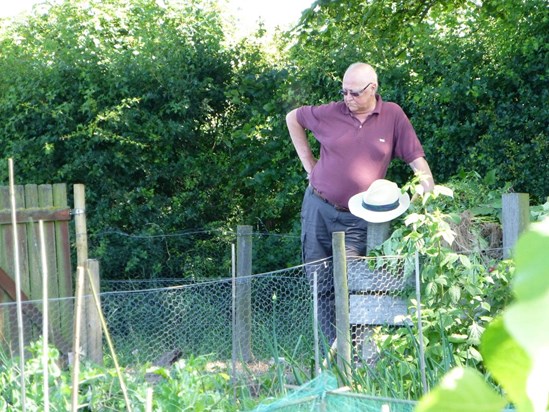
(356, 208)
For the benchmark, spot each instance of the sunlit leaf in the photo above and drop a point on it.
(455, 293)
(507, 362)
(465, 261)
(461, 389)
(527, 322)
(443, 190)
(532, 271)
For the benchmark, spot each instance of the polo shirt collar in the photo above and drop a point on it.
(377, 109)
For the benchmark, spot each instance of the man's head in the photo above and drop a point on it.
(358, 87)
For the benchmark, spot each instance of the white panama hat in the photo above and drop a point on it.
(382, 202)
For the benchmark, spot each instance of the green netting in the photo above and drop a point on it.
(322, 394)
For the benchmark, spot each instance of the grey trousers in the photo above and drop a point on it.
(318, 221)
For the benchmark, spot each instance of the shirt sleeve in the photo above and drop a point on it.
(407, 145)
(306, 117)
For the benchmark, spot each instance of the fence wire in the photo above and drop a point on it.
(256, 318)
(196, 254)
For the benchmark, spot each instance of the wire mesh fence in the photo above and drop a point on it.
(198, 318)
(255, 317)
(381, 293)
(256, 322)
(59, 321)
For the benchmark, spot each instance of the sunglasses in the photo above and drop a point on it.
(344, 92)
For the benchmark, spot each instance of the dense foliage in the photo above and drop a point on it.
(471, 75)
(514, 351)
(176, 129)
(172, 126)
(190, 384)
(152, 111)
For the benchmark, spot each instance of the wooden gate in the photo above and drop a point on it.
(47, 203)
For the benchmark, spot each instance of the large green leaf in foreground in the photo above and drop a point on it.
(508, 363)
(462, 389)
(526, 320)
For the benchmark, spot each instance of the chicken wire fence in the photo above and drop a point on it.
(257, 317)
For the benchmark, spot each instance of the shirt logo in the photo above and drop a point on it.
(382, 140)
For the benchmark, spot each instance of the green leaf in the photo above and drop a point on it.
(450, 258)
(486, 306)
(457, 338)
(448, 236)
(462, 389)
(507, 362)
(411, 218)
(532, 271)
(528, 323)
(455, 293)
(442, 280)
(465, 261)
(443, 190)
(475, 332)
(431, 288)
(474, 354)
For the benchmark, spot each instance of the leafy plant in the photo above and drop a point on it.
(514, 346)
(461, 291)
(194, 383)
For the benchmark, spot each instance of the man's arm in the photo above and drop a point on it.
(300, 142)
(422, 169)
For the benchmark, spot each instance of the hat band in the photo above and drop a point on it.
(380, 208)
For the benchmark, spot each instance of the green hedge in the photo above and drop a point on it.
(172, 127)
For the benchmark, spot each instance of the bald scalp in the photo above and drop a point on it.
(362, 71)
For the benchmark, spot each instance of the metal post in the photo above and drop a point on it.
(420, 328)
(243, 316)
(233, 316)
(515, 219)
(315, 322)
(341, 305)
(80, 224)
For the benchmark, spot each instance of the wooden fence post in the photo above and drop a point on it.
(376, 234)
(243, 310)
(341, 305)
(93, 334)
(515, 219)
(80, 224)
(82, 258)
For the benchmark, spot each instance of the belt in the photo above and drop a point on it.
(321, 197)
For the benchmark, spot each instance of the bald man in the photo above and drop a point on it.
(358, 138)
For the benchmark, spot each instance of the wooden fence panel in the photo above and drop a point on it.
(35, 203)
(63, 258)
(31, 276)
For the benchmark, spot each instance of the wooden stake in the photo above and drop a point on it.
(45, 318)
(76, 342)
(94, 342)
(17, 285)
(82, 256)
(109, 342)
(149, 400)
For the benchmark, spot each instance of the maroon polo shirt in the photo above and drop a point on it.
(353, 155)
